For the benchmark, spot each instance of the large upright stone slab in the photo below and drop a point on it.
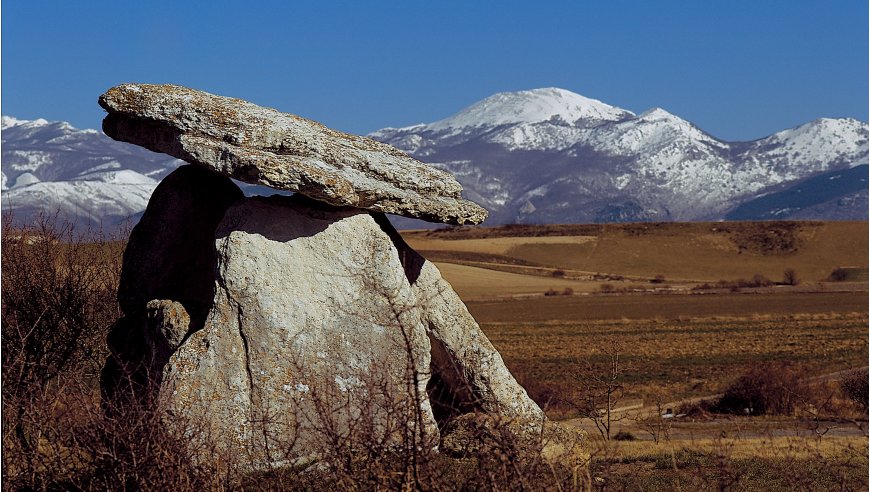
(263, 146)
(314, 329)
(170, 255)
(278, 320)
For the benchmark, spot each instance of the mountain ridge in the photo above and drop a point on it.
(650, 166)
(538, 156)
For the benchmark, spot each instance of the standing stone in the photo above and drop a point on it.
(170, 255)
(276, 328)
(293, 310)
(313, 316)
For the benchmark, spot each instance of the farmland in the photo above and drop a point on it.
(686, 309)
(684, 358)
(669, 294)
(684, 253)
(683, 334)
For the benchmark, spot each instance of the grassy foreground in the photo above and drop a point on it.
(673, 345)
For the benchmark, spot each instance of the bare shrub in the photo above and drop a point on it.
(623, 435)
(658, 279)
(855, 387)
(559, 273)
(790, 277)
(59, 299)
(838, 275)
(656, 424)
(58, 293)
(607, 288)
(593, 390)
(769, 388)
(759, 280)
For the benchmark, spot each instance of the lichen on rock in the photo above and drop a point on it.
(283, 151)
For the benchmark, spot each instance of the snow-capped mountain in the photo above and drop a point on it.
(549, 155)
(81, 174)
(537, 156)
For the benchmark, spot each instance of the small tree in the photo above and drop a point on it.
(599, 389)
(789, 277)
(658, 427)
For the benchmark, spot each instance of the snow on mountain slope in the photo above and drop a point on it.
(530, 110)
(532, 106)
(819, 145)
(94, 202)
(543, 155)
(52, 166)
(550, 155)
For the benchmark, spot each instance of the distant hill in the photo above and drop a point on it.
(83, 174)
(839, 195)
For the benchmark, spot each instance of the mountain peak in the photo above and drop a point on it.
(531, 106)
(830, 127)
(10, 121)
(657, 114)
(38, 124)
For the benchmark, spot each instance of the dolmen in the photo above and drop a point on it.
(272, 325)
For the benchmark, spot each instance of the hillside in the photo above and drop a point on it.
(553, 156)
(634, 254)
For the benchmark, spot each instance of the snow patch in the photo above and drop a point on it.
(25, 179)
(531, 106)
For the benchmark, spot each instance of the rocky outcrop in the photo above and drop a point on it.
(312, 317)
(170, 255)
(280, 328)
(283, 151)
(314, 311)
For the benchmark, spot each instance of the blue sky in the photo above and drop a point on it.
(739, 69)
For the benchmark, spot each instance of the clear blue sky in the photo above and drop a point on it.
(739, 69)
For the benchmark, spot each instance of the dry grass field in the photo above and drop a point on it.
(673, 337)
(637, 290)
(782, 302)
(681, 252)
(685, 340)
(731, 463)
(679, 357)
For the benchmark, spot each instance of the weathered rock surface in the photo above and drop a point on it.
(315, 311)
(313, 315)
(263, 146)
(170, 256)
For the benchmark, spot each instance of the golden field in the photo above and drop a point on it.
(674, 333)
(681, 252)
(678, 303)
